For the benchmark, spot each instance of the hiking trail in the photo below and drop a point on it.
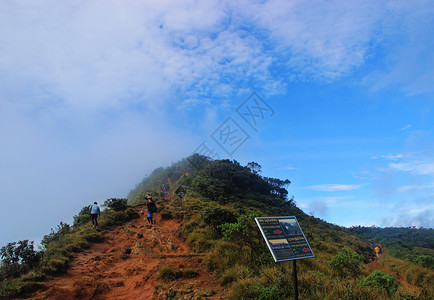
(126, 264)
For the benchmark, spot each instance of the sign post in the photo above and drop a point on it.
(286, 241)
(180, 191)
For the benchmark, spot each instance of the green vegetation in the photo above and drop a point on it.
(24, 269)
(346, 263)
(217, 214)
(168, 274)
(18, 258)
(381, 280)
(409, 244)
(117, 204)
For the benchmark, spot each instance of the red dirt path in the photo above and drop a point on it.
(100, 273)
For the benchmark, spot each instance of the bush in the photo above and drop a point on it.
(235, 273)
(244, 230)
(199, 240)
(381, 280)
(346, 263)
(18, 258)
(82, 218)
(217, 216)
(225, 254)
(167, 273)
(117, 204)
(112, 217)
(271, 284)
(10, 289)
(56, 234)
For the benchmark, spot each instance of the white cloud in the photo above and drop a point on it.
(73, 74)
(388, 156)
(317, 206)
(419, 217)
(320, 39)
(421, 209)
(338, 199)
(410, 64)
(334, 187)
(414, 187)
(392, 157)
(415, 167)
(287, 167)
(51, 173)
(406, 127)
(107, 53)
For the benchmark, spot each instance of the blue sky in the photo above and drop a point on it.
(96, 94)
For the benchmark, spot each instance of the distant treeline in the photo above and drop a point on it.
(408, 243)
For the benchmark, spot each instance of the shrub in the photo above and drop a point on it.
(10, 289)
(426, 261)
(217, 216)
(112, 217)
(346, 263)
(244, 230)
(18, 258)
(199, 240)
(381, 280)
(82, 218)
(167, 273)
(117, 204)
(56, 234)
(55, 265)
(235, 273)
(271, 284)
(225, 255)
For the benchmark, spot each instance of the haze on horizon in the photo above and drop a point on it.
(96, 94)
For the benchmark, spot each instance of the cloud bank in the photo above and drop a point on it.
(90, 90)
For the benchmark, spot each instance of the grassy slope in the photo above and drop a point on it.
(217, 221)
(240, 258)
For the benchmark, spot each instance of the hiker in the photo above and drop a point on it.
(152, 208)
(378, 251)
(94, 214)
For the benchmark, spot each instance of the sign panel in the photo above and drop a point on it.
(284, 238)
(180, 192)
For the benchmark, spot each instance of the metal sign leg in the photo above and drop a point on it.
(294, 275)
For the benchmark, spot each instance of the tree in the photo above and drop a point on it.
(18, 258)
(278, 187)
(254, 167)
(117, 204)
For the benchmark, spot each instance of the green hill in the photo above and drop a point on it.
(217, 223)
(218, 211)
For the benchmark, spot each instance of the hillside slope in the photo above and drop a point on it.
(126, 264)
(208, 246)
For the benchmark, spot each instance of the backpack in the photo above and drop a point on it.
(155, 208)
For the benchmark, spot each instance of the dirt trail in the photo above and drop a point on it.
(126, 264)
(377, 265)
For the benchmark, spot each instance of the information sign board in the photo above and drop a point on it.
(180, 192)
(284, 238)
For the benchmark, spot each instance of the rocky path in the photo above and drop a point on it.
(126, 266)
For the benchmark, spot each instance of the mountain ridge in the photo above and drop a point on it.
(207, 246)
